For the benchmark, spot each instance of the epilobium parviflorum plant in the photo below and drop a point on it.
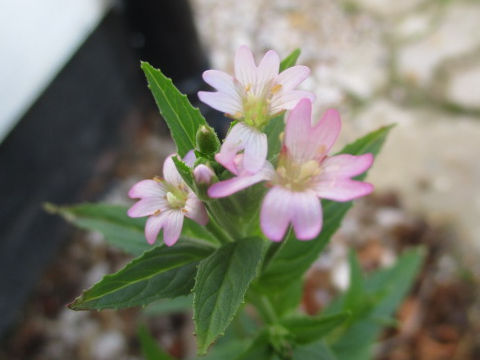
(231, 227)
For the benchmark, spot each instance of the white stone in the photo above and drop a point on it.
(464, 87)
(457, 34)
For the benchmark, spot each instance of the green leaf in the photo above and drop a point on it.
(356, 291)
(163, 272)
(287, 298)
(290, 60)
(226, 350)
(111, 220)
(150, 349)
(388, 287)
(170, 306)
(294, 257)
(273, 130)
(307, 329)
(259, 349)
(185, 172)
(314, 351)
(220, 286)
(182, 118)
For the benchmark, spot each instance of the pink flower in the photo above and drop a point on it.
(253, 96)
(166, 202)
(304, 174)
(203, 174)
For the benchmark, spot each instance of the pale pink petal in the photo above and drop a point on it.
(256, 148)
(153, 226)
(267, 71)
(147, 206)
(170, 172)
(233, 143)
(328, 128)
(306, 142)
(288, 100)
(237, 183)
(146, 188)
(342, 189)
(189, 158)
(203, 174)
(221, 101)
(306, 215)
(222, 82)
(245, 69)
(345, 166)
(172, 227)
(298, 132)
(276, 213)
(195, 210)
(292, 77)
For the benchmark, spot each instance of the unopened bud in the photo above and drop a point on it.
(207, 140)
(203, 174)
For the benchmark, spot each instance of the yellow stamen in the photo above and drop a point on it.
(157, 212)
(157, 179)
(276, 88)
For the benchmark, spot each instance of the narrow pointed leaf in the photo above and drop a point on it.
(220, 286)
(111, 221)
(294, 257)
(150, 348)
(307, 329)
(314, 351)
(388, 287)
(182, 118)
(163, 272)
(290, 60)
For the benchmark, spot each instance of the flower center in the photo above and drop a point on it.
(296, 176)
(176, 197)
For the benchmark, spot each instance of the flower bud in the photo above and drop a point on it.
(207, 140)
(203, 174)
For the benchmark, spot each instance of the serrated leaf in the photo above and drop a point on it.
(258, 349)
(294, 257)
(163, 272)
(307, 329)
(185, 172)
(389, 287)
(119, 229)
(315, 351)
(220, 286)
(149, 347)
(111, 221)
(170, 306)
(182, 118)
(226, 350)
(290, 60)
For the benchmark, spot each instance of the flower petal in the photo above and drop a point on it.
(276, 213)
(245, 69)
(256, 148)
(195, 210)
(342, 189)
(153, 226)
(170, 172)
(267, 71)
(237, 183)
(147, 206)
(221, 81)
(288, 100)
(292, 77)
(189, 158)
(233, 143)
(146, 188)
(221, 101)
(306, 215)
(172, 227)
(345, 166)
(306, 142)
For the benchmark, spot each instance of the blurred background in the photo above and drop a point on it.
(77, 124)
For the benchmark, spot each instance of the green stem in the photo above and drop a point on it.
(219, 234)
(265, 308)
(220, 214)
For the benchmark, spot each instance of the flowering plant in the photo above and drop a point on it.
(242, 221)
